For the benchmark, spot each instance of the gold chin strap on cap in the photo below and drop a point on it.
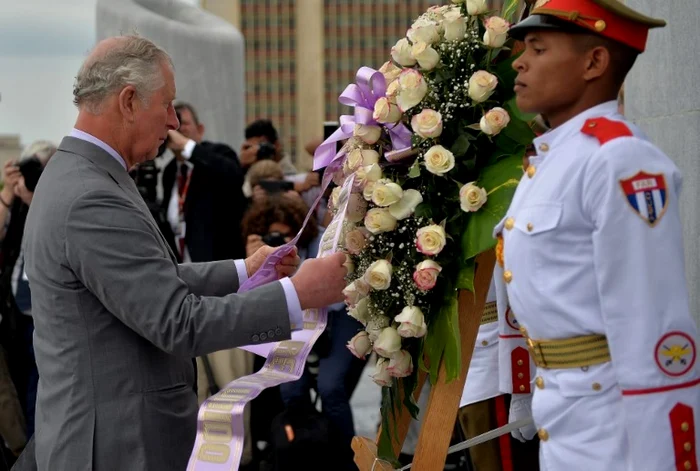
(575, 352)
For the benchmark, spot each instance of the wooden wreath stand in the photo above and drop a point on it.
(443, 403)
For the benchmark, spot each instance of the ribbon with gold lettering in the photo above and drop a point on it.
(220, 430)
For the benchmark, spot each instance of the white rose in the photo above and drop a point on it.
(385, 111)
(455, 25)
(353, 161)
(381, 375)
(426, 56)
(369, 157)
(476, 7)
(368, 190)
(360, 345)
(364, 175)
(356, 240)
(423, 30)
(430, 240)
(496, 31)
(427, 123)
(471, 197)
(392, 90)
(407, 205)
(386, 193)
(335, 197)
(494, 121)
(380, 220)
(401, 53)
(375, 326)
(481, 86)
(369, 134)
(378, 275)
(412, 89)
(357, 208)
(400, 364)
(361, 311)
(439, 160)
(412, 322)
(390, 71)
(388, 343)
(355, 291)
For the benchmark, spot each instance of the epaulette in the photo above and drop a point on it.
(605, 129)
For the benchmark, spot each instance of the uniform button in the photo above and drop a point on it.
(255, 338)
(688, 465)
(522, 388)
(263, 336)
(539, 382)
(543, 434)
(485, 343)
(270, 333)
(507, 276)
(597, 387)
(544, 147)
(531, 171)
(510, 222)
(520, 363)
(521, 376)
(687, 446)
(685, 426)
(278, 331)
(530, 227)
(600, 27)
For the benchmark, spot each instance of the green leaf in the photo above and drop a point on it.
(384, 448)
(465, 278)
(510, 7)
(453, 342)
(517, 130)
(409, 386)
(512, 107)
(500, 180)
(414, 171)
(506, 74)
(461, 145)
(424, 210)
(442, 343)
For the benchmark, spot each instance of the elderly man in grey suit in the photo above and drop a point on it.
(117, 319)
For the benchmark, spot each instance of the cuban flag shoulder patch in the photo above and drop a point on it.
(646, 195)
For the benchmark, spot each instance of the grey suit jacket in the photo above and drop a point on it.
(118, 321)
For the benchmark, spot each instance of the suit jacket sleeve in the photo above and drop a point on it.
(115, 252)
(210, 278)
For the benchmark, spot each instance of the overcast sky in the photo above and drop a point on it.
(42, 44)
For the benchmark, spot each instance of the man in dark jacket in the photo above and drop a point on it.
(202, 193)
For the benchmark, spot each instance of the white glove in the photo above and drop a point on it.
(521, 408)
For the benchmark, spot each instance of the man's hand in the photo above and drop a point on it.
(320, 281)
(312, 179)
(521, 408)
(176, 141)
(10, 177)
(286, 267)
(249, 154)
(252, 244)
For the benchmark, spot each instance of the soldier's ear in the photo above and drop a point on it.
(597, 63)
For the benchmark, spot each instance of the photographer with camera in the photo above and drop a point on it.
(202, 193)
(16, 326)
(262, 143)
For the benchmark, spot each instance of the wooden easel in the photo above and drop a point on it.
(443, 403)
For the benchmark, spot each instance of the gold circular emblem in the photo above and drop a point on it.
(600, 25)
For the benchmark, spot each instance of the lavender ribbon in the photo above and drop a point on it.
(369, 87)
(220, 430)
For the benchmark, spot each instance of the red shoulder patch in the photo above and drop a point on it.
(605, 129)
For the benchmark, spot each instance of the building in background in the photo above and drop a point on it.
(10, 148)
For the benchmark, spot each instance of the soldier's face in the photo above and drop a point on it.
(550, 73)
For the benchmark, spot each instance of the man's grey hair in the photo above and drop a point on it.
(42, 150)
(134, 61)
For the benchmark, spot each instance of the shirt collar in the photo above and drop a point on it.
(556, 136)
(78, 134)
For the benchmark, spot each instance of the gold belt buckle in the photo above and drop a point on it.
(536, 352)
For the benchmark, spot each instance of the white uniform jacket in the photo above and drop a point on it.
(595, 247)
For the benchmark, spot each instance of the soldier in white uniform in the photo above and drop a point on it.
(593, 254)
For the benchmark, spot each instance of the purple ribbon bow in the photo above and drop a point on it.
(369, 87)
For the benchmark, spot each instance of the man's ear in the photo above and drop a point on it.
(200, 130)
(597, 63)
(128, 103)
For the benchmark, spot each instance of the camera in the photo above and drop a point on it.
(145, 176)
(31, 169)
(274, 239)
(266, 150)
